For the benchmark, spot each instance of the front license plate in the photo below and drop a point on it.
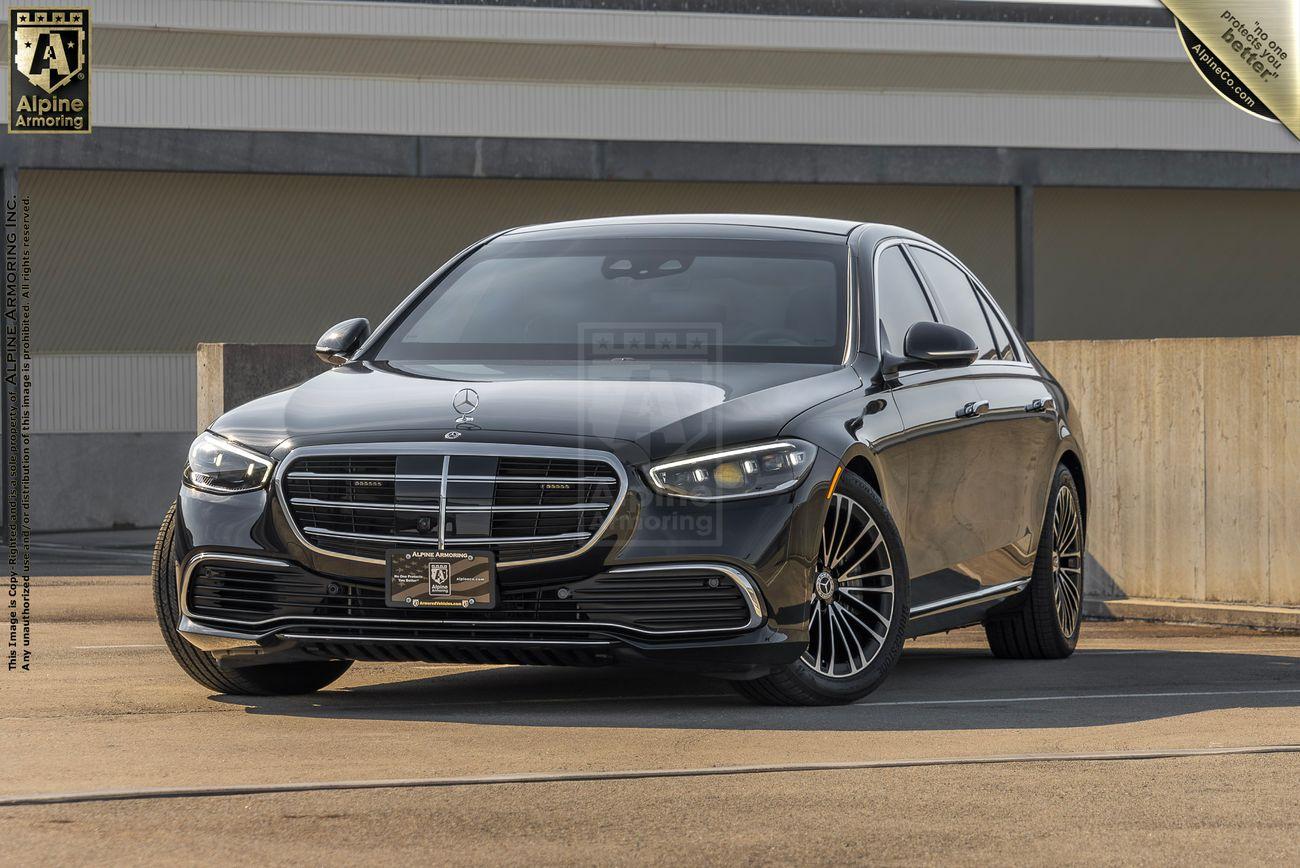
(441, 580)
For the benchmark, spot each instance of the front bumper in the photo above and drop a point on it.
(762, 547)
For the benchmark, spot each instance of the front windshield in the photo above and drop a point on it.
(632, 298)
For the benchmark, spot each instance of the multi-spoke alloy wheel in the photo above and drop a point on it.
(1067, 560)
(1043, 622)
(858, 606)
(853, 592)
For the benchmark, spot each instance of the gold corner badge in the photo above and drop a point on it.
(49, 82)
(1246, 51)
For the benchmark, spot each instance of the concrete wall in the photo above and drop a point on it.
(109, 436)
(91, 481)
(1194, 458)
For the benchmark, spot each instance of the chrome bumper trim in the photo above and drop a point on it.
(305, 637)
(748, 589)
(207, 638)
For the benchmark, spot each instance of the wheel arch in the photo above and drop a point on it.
(862, 466)
(1074, 464)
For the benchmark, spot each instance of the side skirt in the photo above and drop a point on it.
(962, 610)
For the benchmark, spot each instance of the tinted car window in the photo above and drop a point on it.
(956, 297)
(901, 299)
(1001, 336)
(737, 299)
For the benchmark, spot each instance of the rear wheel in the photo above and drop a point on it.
(1046, 625)
(271, 679)
(859, 607)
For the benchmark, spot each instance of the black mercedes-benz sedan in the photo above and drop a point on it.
(767, 449)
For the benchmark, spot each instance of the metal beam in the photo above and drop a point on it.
(173, 150)
(1025, 261)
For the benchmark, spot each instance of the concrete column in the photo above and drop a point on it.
(234, 374)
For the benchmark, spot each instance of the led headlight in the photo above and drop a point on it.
(217, 465)
(744, 472)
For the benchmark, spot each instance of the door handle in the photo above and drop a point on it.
(1041, 405)
(972, 409)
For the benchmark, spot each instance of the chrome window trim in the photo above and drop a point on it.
(446, 450)
(851, 312)
(747, 587)
(985, 295)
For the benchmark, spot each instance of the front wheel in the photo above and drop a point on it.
(268, 679)
(859, 607)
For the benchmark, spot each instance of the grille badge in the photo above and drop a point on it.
(465, 402)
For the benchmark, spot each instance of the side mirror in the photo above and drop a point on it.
(338, 344)
(932, 345)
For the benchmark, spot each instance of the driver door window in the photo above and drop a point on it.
(956, 298)
(900, 297)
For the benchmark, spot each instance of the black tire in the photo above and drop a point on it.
(271, 679)
(800, 683)
(1033, 630)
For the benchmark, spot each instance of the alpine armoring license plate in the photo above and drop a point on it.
(421, 579)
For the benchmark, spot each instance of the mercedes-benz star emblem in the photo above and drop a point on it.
(465, 402)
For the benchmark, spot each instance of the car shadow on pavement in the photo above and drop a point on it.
(930, 690)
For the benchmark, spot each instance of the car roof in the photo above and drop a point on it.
(757, 221)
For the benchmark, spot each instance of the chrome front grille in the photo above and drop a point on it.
(546, 503)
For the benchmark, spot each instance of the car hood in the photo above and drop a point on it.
(664, 409)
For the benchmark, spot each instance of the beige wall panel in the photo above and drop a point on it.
(1283, 443)
(1172, 488)
(1237, 476)
(1253, 470)
(1193, 453)
(1166, 263)
(1143, 447)
(159, 262)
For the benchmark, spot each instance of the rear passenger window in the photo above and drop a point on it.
(902, 301)
(956, 298)
(1006, 350)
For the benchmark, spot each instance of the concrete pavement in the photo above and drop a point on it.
(107, 709)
